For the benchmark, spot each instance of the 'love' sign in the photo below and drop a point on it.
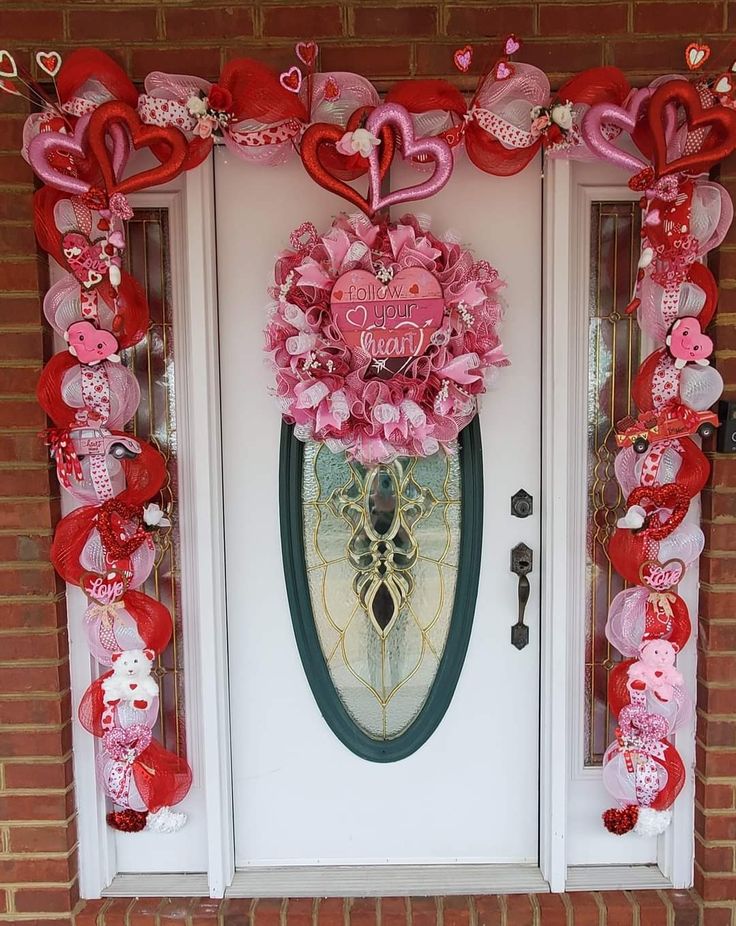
(391, 321)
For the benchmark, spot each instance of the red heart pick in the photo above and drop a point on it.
(306, 52)
(313, 148)
(672, 497)
(121, 529)
(719, 142)
(143, 136)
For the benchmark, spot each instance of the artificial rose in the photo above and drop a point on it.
(220, 99)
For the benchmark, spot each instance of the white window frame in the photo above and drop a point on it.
(190, 199)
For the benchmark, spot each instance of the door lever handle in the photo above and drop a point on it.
(522, 560)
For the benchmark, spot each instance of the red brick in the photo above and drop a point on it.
(488, 910)
(175, 61)
(720, 887)
(28, 547)
(42, 775)
(718, 569)
(724, 470)
(718, 635)
(519, 910)
(715, 827)
(35, 711)
(620, 909)
(267, 912)
(686, 18)
(194, 23)
(19, 310)
(718, 504)
(50, 870)
(30, 678)
(653, 55)
(393, 912)
(16, 206)
(717, 732)
(87, 914)
(174, 911)
(37, 615)
(11, 133)
(552, 910)
(424, 911)
(45, 900)
(586, 911)
(19, 276)
(686, 907)
(467, 22)
(205, 910)
(583, 18)
(456, 911)
(714, 858)
(331, 911)
(29, 26)
(41, 839)
(716, 667)
(24, 412)
(363, 911)
(720, 538)
(379, 60)
(716, 700)
(23, 447)
(138, 25)
(41, 742)
(300, 21)
(29, 579)
(25, 514)
(144, 912)
(652, 909)
(17, 239)
(389, 21)
(715, 763)
(718, 916)
(299, 911)
(713, 795)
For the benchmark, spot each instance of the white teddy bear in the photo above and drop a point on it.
(131, 679)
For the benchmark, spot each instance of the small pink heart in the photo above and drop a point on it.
(463, 58)
(424, 149)
(117, 240)
(89, 344)
(512, 45)
(291, 80)
(504, 70)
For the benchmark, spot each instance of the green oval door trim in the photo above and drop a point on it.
(463, 609)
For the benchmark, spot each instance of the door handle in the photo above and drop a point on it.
(522, 560)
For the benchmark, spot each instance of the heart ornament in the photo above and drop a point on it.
(106, 588)
(463, 58)
(306, 52)
(318, 143)
(696, 55)
(398, 118)
(89, 344)
(392, 322)
(49, 62)
(291, 80)
(661, 576)
(8, 87)
(8, 67)
(687, 344)
(115, 113)
(125, 744)
(719, 122)
(723, 85)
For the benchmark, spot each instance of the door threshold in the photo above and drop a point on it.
(158, 885)
(386, 880)
(615, 878)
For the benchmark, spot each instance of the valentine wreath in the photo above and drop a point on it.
(382, 337)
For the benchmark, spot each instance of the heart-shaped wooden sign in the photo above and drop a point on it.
(392, 322)
(105, 588)
(661, 576)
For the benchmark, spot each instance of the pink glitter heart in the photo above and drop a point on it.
(127, 744)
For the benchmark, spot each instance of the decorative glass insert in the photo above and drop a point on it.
(613, 359)
(382, 554)
(152, 360)
(381, 567)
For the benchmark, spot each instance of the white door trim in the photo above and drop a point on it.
(201, 511)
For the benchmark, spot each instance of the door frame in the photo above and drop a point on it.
(192, 196)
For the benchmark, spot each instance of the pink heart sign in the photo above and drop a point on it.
(388, 321)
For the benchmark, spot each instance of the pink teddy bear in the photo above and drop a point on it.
(655, 669)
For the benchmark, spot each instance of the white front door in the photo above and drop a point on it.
(301, 797)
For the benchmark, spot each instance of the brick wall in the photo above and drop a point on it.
(384, 41)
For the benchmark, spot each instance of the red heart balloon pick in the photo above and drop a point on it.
(719, 122)
(317, 141)
(143, 136)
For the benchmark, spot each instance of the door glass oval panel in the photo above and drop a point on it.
(383, 558)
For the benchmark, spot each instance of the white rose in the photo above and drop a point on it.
(153, 516)
(562, 115)
(197, 106)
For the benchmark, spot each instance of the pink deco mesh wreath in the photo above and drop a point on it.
(342, 394)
